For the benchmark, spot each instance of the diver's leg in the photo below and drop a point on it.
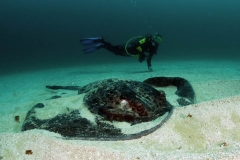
(98, 42)
(117, 50)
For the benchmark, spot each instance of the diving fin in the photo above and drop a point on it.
(89, 41)
(93, 48)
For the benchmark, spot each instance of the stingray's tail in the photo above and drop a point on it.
(184, 88)
(64, 87)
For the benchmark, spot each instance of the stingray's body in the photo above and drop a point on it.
(114, 100)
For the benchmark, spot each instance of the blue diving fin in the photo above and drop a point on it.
(89, 41)
(93, 48)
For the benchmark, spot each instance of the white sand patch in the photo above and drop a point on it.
(58, 106)
(170, 94)
(131, 129)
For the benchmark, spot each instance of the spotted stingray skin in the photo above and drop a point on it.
(125, 100)
(113, 100)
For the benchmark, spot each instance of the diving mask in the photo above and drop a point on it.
(157, 38)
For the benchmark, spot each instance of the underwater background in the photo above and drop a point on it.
(38, 34)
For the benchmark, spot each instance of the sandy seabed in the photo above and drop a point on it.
(208, 129)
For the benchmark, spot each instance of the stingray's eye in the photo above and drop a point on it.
(124, 103)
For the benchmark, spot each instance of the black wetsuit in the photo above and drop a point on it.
(136, 48)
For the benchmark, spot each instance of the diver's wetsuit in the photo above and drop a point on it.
(136, 48)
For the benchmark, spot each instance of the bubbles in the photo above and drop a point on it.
(143, 18)
(134, 3)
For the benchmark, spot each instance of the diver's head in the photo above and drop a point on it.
(157, 38)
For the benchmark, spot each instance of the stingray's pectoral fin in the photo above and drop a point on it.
(63, 87)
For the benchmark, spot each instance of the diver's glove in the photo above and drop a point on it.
(150, 69)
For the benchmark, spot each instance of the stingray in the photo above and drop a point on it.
(118, 109)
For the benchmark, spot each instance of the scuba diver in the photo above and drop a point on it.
(135, 47)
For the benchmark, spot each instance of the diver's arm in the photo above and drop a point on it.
(141, 57)
(149, 58)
